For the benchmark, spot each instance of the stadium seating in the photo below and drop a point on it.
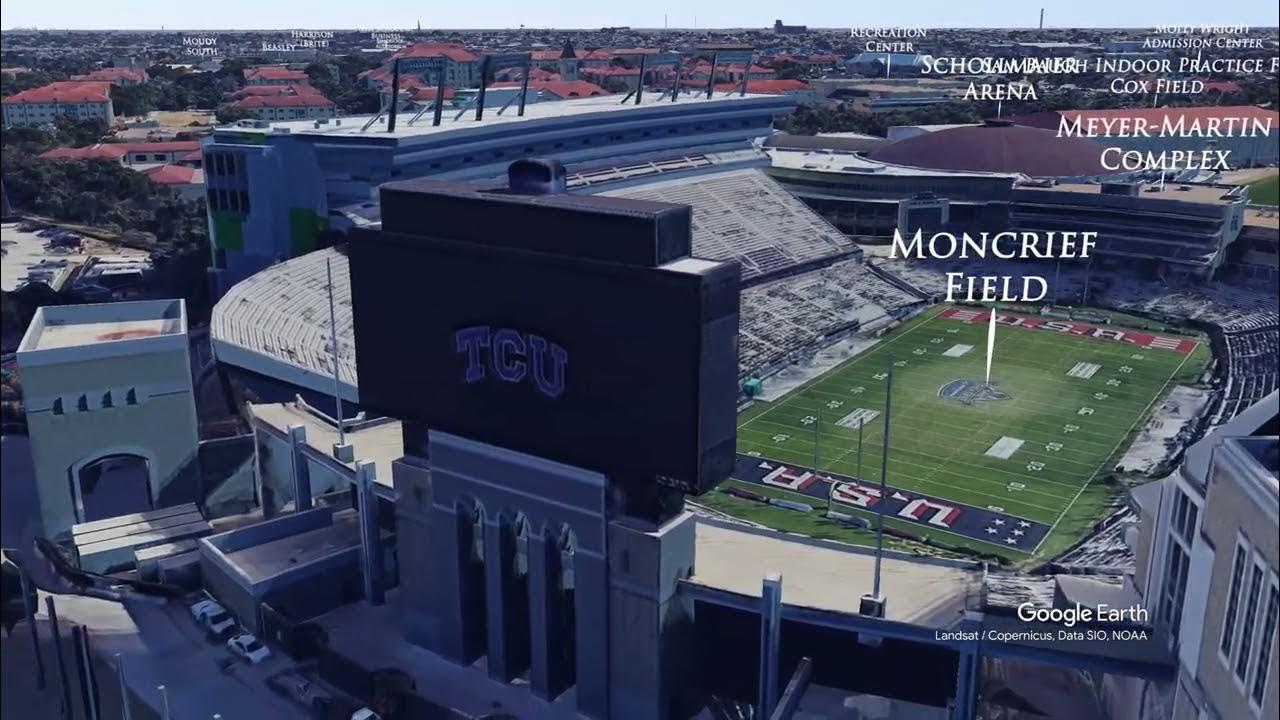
(782, 318)
(744, 215)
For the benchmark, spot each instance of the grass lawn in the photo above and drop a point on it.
(1073, 401)
(1265, 191)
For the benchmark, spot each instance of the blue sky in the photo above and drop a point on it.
(242, 14)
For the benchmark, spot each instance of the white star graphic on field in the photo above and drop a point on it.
(999, 522)
(1024, 523)
(1010, 541)
(992, 531)
(1017, 532)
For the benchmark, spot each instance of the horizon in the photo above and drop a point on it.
(577, 15)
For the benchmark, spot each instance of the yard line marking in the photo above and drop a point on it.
(831, 374)
(1123, 437)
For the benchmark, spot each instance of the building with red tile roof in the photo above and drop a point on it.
(559, 89)
(78, 99)
(131, 153)
(114, 75)
(269, 90)
(274, 75)
(101, 151)
(460, 66)
(288, 107)
(799, 89)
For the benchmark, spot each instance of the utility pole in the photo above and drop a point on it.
(57, 655)
(1057, 267)
(29, 606)
(884, 474)
(125, 703)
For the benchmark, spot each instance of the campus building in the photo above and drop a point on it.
(1207, 566)
(110, 410)
(1001, 176)
(79, 100)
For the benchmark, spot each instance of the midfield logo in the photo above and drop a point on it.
(970, 392)
(512, 356)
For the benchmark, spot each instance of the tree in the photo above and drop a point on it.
(133, 99)
(227, 114)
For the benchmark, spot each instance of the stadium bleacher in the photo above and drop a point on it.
(744, 215)
(788, 316)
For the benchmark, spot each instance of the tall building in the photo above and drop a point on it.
(1207, 562)
(110, 410)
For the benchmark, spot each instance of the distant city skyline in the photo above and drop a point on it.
(584, 14)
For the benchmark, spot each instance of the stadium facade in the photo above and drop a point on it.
(274, 187)
(1207, 567)
(1001, 176)
(271, 325)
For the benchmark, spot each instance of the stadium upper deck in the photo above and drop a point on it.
(1180, 229)
(273, 189)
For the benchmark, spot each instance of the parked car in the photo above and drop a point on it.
(212, 617)
(247, 646)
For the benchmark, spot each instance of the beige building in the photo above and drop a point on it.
(1207, 563)
(110, 409)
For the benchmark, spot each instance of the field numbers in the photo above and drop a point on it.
(1137, 356)
(1016, 487)
(935, 341)
(834, 404)
(780, 438)
(1100, 396)
(1126, 369)
(900, 363)
(1085, 411)
(1071, 428)
(919, 351)
(857, 390)
(808, 420)
(1053, 447)
(1035, 466)
(1113, 383)
(879, 376)
(953, 331)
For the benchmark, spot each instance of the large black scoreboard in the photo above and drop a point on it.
(575, 328)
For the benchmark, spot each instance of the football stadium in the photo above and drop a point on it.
(1016, 467)
(998, 465)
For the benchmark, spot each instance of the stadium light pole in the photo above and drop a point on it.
(884, 471)
(333, 341)
(1057, 267)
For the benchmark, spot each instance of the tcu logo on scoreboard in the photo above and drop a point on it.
(513, 356)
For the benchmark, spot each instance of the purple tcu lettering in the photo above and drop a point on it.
(511, 354)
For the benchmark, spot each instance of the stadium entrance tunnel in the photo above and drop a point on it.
(110, 486)
(971, 392)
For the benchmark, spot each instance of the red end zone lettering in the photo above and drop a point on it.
(851, 494)
(939, 514)
(785, 477)
(1033, 322)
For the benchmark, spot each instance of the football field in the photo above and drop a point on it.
(996, 466)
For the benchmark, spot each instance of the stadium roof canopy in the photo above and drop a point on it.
(1051, 119)
(851, 142)
(998, 147)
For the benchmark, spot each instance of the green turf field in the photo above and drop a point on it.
(1072, 428)
(1265, 191)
